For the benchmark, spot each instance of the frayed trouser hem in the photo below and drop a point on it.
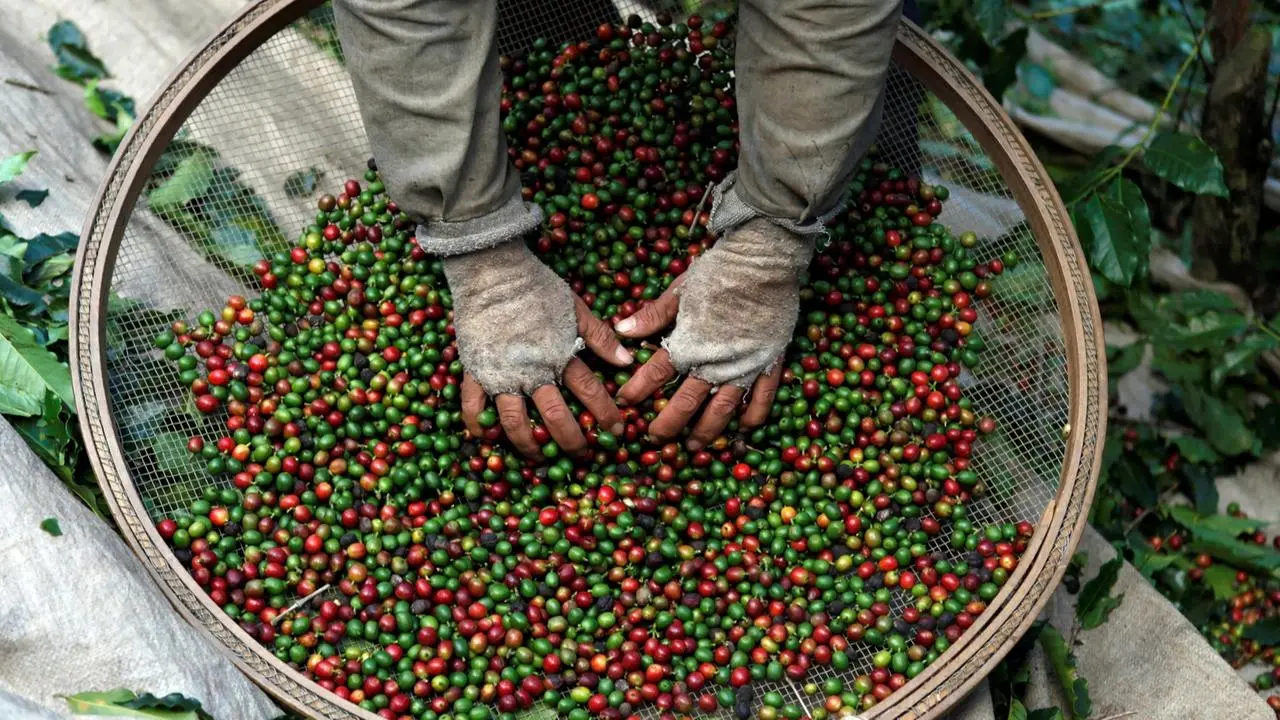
(512, 220)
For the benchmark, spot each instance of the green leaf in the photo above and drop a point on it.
(1186, 161)
(1193, 521)
(1063, 662)
(43, 247)
(1132, 477)
(1194, 449)
(1242, 358)
(1017, 711)
(1224, 546)
(537, 712)
(33, 198)
(175, 702)
(1182, 369)
(1121, 361)
(28, 371)
(1204, 488)
(1222, 580)
(1115, 227)
(54, 267)
(1152, 563)
(1225, 428)
(1203, 331)
(1026, 283)
(190, 180)
(50, 525)
(75, 62)
(1075, 187)
(115, 703)
(1264, 632)
(990, 16)
(1001, 69)
(49, 436)
(303, 182)
(1266, 423)
(106, 103)
(1095, 602)
(1045, 714)
(14, 165)
(172, 457)
(18, 294)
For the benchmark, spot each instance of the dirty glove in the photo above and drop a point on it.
(735, 310)
(518, 327)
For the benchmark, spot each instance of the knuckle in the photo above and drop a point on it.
(511, 416)
(684, 403)
(555, 414)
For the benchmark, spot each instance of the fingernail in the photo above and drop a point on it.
(623, 355)
(617, 429)
(693, 445)
(625, 325)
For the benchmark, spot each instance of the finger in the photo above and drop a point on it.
(598, 336)
(762, 392)
(652, 317)
(680, 408)
(559, 420)
(722, 408)
(473, 398)
(651, 376)
(515, 421)
(587, 388)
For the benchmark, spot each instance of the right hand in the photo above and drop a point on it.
(517, 326)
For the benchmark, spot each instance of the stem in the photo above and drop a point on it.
(1136, 521)
(1155, 121)
(1191, 23)
(36, 88)
(1264, 328)
(298, 604)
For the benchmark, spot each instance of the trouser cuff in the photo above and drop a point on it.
(512, 220)
(729, 210)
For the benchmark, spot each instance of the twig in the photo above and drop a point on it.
(1117, 716)
(27, 86)
(1191, 23)
(1136, 521)
(1155, 122)
(1186, 100)
(298, 604)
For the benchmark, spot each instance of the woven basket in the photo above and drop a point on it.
(270, 95)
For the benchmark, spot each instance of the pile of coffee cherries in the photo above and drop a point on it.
(808, 568)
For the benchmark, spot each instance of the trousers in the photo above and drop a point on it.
(810, 89)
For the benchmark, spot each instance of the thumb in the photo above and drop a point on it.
(653, 317)
(598, 336)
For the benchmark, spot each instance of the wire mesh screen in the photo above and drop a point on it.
(240, 180)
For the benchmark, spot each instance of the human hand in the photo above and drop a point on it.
(735, 309)
(518, 326)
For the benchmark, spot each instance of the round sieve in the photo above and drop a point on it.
(264, 114)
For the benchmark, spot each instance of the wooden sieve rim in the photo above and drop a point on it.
(942, 685)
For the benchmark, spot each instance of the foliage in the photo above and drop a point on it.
(35, 381)
(1217, 361)
(1095, 602)
(128, 704)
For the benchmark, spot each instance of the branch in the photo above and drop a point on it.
(1155, 122)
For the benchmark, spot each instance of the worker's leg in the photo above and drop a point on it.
(426, 76)
(810, 81)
